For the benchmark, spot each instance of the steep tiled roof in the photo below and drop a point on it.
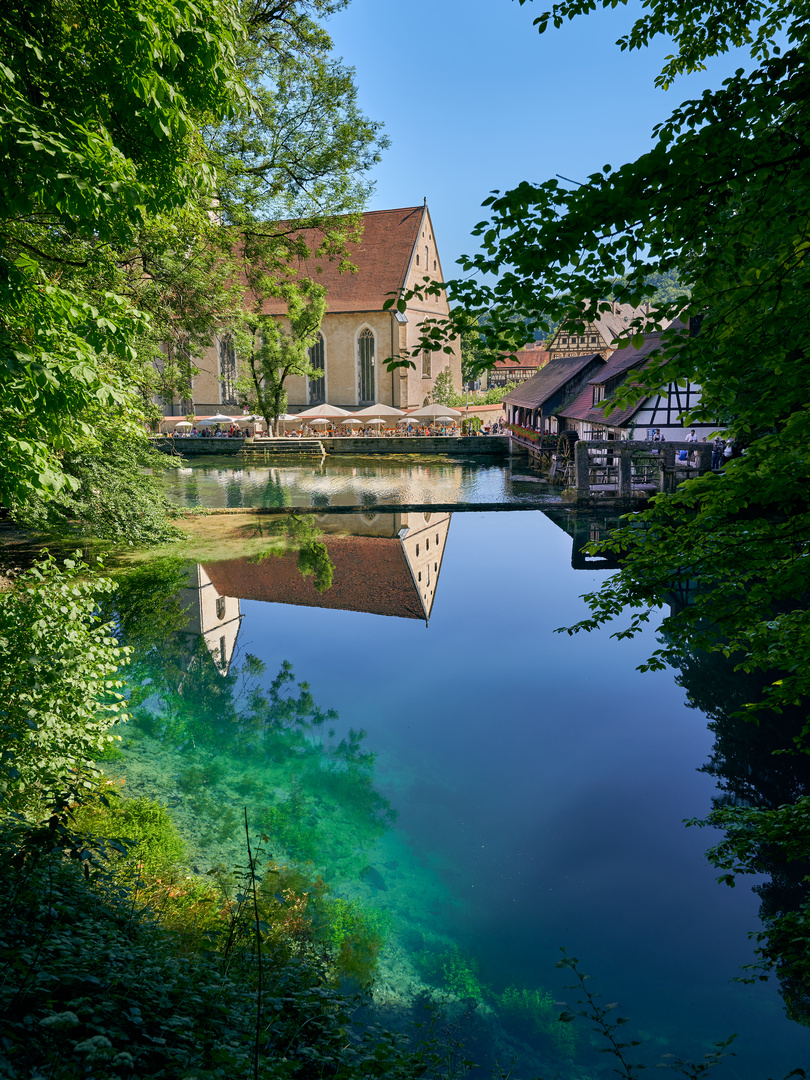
(623, 360)
(611, 324)
(526, 357)
(582, 408)
(371, 574)
(548, 380)
(382, 258)
(628, 357)
(617, 321)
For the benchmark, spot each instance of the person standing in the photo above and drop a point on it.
(718, 445)
(691, 437)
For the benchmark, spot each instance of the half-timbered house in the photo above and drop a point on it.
(599, 336)
(536, 403)
(590, 415)
(527, 362)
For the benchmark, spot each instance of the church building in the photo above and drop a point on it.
(396, 251)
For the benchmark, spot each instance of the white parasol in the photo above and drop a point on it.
(217, 418)
(379, 410)
(322, 410)
(432, 411)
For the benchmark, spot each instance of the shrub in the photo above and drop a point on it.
(58, 683)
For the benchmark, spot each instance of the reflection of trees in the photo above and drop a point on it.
(275, 491)
(294, 533)
(246, 743)
(764, 811)
(145, 607)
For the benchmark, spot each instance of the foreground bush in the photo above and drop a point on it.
(94, 986)
(59, 691)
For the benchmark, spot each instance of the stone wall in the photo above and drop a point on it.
(461, 445)
(197, 447)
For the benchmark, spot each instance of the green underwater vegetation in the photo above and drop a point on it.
(113, 977)
(452, 970)
(534, 1014)
(268, 747)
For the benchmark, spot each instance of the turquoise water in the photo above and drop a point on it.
(506, 790)
(350, 481)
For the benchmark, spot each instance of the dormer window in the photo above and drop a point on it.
(598, 394)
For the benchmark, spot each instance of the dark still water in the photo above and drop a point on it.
(506, 790)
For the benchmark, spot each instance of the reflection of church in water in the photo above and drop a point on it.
(384, 564)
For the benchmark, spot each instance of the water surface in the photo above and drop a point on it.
(531, 787)
(354, 481)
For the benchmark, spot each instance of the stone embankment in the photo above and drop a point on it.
(452, 445)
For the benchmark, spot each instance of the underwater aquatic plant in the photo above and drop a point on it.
(199, 776)
(534, 1014)
(355, 935)
(452, 969)
(297, 906)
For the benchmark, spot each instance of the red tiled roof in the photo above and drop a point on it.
(382, 258)
(623, 360)
(582, 408)
(371, 574)
(527, 357)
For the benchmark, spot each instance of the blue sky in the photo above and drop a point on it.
(473, 98)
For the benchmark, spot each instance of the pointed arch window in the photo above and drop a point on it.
(365, 358)
(227, 371)
(317, 360)
(426, 363)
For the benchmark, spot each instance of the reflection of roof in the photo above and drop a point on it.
(548, 380)
(371, 574)
(382, 258)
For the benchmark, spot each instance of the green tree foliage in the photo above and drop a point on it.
(58, 684)
(301, 153)
(98, 130)
(443, 390)
(110, 495)
(149, 150)
(273, 351)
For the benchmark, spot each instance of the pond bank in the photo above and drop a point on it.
(465, 445)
